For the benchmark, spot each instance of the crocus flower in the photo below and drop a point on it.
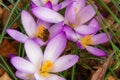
(71, 33)
(88, 41)
(39, 31)
(77, 14)
(52, 4)
(44, 67)
(48, 12)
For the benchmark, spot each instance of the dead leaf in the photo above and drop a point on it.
(99, 74)
(5, 17)
(1, 11)
(70, 46)
(1, 71)
(8, 48)
(5, 77)
(111, 78)
(107, 1)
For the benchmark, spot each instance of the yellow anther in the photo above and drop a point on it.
(87, 40)
(46, 67)
(48, 0)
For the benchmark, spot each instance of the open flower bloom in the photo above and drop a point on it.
(87, 41)
(71, 33)
(39, 32)
(77, 14)
(52, 4)
(44, 67)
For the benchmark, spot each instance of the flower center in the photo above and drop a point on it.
(87, 40)
(76, 9)
(46, 67)
(48, 0)
(73, 25)
(42, 33)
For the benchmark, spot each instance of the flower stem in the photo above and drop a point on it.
(73, 72)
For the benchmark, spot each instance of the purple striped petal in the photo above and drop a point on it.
(55, 29)
(64, 62)
(48, 5)
(79, 45)
(70, 15)
(24, 76)
(56, 7)
(95, 51)
(54, 77)
(79, 4)
(34, 52)
(23, 65)
(40, 42)
(37, 2)
(43, 23)
(17, 35)
(65, 3)
(28, 23)
(71, 35)
(100, 38)
(47, 14)
(32, 5)
(93, 23)
(85, 30)
(55, 47)
(86, 14)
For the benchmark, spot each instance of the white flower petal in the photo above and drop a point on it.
(64, 63)
(55, 29)
(28, 23)
(54, 77)
(37, 2)
(86, 14)
(24, 76)
(17, 35)
(55, 47)
(47, 14)
(23, 65)
(34, 52)
(39, 77)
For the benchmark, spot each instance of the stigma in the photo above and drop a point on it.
(46, 67)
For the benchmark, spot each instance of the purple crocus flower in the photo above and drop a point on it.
(44, 67)
(46, 10)
(52, 4)
(41, 32)
(87, 41)
(71, 33)
(77, 14)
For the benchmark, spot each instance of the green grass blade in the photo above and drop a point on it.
(8, 20)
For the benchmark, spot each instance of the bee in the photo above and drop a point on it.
(42, 33)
